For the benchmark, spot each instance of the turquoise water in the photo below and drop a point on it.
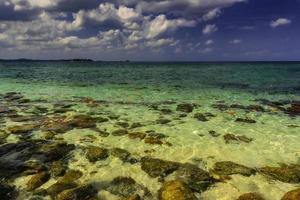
(140, 92)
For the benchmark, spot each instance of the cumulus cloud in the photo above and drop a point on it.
(161, 25)
(212, 14)
(280, 22)
(209, 29)
(103, 24)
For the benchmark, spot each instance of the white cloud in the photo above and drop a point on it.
(103, 24)
(214, 13)
(161, 42)
(209, 42)
(235, 41)
(207, 50)
(161, 24)
(280, 22)
(209, 29)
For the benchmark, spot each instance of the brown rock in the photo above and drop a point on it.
(249, 121)
(71, 176)
(175, 190)
(57, 168)
(153, 140)
(37, 180)
(119, 132)
(18, 129)
(229, 168)
(79, 193)
(292, 195)
(196, 178)
(241, 138)
(58, 187)
(133, 197)
(286, 173)
(82, 121)
(163, 121)
(122, 154)
(250, 196)
(157, 167)
(137, 135)
(96, 153)
(185, 107)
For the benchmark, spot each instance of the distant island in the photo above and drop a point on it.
(58, 60)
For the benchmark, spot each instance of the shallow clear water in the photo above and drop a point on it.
(129, 90)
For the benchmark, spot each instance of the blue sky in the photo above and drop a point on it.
(152, 30)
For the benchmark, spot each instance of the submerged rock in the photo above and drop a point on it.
(70, 176)
(166, 111)
(185, 107)
(136, 125)
(19, 129)
(68, 181)
(57, 168)
(122, 154)
(82, 121)
(3, 136)
(294, 109)
(157, 167)
(292, 195)
(94, 154)
(55, 151)
(58, 187)
(137, 135)
(79, 193)
(13, 96)
(250, 196)
(100, 132)
(175, 190)
(7, 192)
(200, 117)
(37, 180)
(122, 186)
(163, 121)
(286, 173)
(230, 137)
(119, 132)
(15, 157)
(249, 121)
(196, 178)
(25, 118)
(56, 125)
(123, 124)
(153, 140)
(132, 197)
(214, 134)
(229, 168)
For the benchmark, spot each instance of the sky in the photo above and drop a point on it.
(151, 30)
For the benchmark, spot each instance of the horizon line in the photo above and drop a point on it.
(138, 61)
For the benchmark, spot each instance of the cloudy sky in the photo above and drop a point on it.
(195, 30)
